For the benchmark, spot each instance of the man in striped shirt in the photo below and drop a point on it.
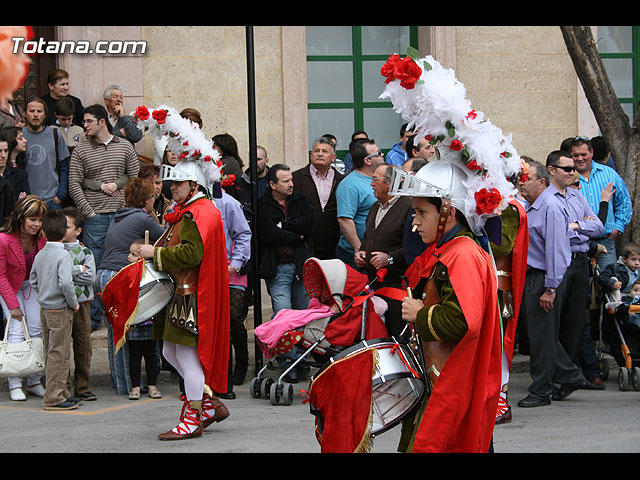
(594, 178)
(100, 167)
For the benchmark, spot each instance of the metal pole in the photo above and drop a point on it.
(253, 175)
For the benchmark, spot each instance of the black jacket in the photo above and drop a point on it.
(617, 270)
(275, 229)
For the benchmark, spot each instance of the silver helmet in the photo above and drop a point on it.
(183, 171)
(443, 178)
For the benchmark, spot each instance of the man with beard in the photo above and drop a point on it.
(46, 158)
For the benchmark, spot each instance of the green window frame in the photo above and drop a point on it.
(359, 105)
(630, 101)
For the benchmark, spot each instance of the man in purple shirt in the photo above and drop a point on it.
(548, 258)
(583, 225)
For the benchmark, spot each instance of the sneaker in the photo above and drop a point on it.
(17, 395)
(37, 390)
(67, 405)
(88, 396)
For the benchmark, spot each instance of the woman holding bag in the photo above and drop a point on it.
(20, 240)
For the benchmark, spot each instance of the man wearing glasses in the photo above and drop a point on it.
(100, 167)
(355, 198)
(584, 225)
(594, 178)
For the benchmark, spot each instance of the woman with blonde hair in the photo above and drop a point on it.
(20, 240)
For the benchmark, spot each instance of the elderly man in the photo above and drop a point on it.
(124, 126)
(382, 243)
(318, 182)
(549, 255)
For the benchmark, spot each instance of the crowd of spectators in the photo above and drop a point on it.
(58, 155)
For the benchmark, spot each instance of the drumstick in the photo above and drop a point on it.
(146, 237)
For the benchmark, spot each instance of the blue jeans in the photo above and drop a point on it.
(93, 235)
(287, 292)
(609, 257)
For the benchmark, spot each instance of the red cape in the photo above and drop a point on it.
(461, 410)
(518, 272)
(213, 295)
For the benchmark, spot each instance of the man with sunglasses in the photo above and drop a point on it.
(355, 198)
(584, 225)
(548, 257)
(594, 178)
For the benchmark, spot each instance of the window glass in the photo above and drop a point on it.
(372, 81)
(383, 125)
(620, 71)
(615, 39)
(330, 40)
(336, 121)
(330, 82)
(385, 40)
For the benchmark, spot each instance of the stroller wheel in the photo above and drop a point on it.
(287, 394)
(265, 388)
(635, 378)
(254, 387)
(623, 378)
(275, 393)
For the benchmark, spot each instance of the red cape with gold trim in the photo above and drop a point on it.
(213, 295)
(461, 410)
(518, 273)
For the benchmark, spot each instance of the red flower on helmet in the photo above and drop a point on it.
(141, 113)
(159, 116)
(456, 145)
(389, 67)
(408, 72)
(487, 200)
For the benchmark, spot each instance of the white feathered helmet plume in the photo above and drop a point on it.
(199, 161)
(433, 102)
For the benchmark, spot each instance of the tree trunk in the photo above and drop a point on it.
(622, 139)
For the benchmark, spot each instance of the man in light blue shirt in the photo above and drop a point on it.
(398, 153)
(594, 177)
(355, 197)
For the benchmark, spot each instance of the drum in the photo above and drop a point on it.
(397, 382)
(156, 291)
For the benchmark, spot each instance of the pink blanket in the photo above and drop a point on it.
(285, 320)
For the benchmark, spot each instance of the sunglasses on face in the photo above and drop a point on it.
(568, 169)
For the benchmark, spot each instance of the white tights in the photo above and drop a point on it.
(187, 362)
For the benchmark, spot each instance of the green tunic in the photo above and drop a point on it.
(187, 254)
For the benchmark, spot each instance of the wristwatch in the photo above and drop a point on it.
(389, 259)
(550, 291)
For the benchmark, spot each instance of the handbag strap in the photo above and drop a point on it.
(24, 328)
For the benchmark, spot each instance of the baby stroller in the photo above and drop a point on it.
(333, 322)
(619, 338)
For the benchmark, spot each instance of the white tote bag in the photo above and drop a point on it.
(21, 359)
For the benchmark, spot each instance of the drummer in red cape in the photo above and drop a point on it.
(195, 331)
(452, 295)
(455, 312)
